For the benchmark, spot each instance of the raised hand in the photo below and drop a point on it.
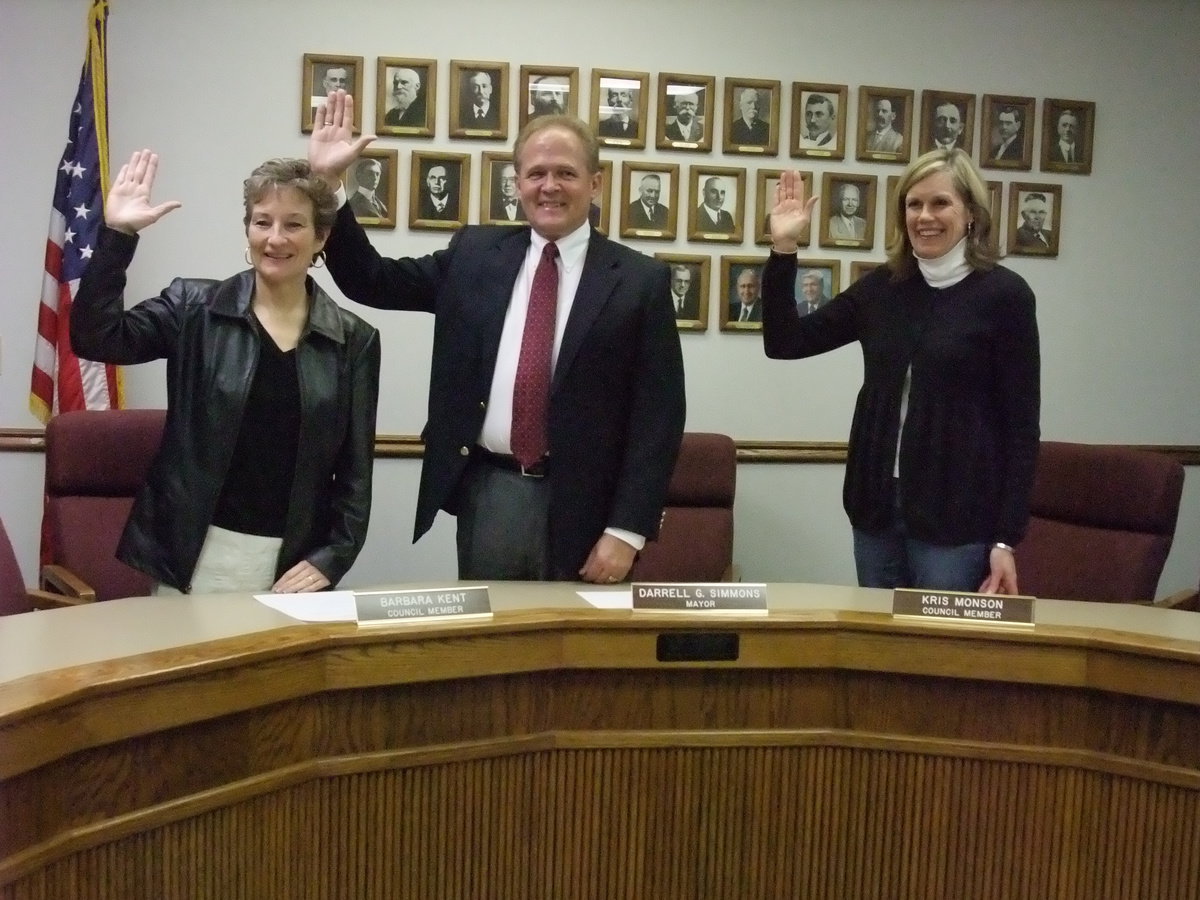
(792, 212)
(332, 145)
(127, 207)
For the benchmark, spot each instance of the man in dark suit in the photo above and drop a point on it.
(614, 416)
(1008, 129)
(820, 118)
(749, 128)
(748, 305)
(437, 200)
(812, 293)
(477, 109)
(364, 201)
(1032, 231)
(506, 203)
(710, 216)
(621, 121)
(947, 126)
(684, 296)
(1065, 150)
(646, 211)
(408, 99)
(686, 127)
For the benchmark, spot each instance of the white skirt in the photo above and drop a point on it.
(232, 562)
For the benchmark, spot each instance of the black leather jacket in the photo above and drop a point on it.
(203, 329)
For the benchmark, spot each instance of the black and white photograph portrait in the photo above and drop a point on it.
(1034, 219)
(439, 190)
(689, 289)
(371, 188)
(548, 91)
(478, 99)
(718, 208)
(619, 107)
(1067, 127)
(685, 112)
(499, 199)
(1006, 132)
(405, 92)
(751, 116)
(848, 211)
(884, 124)
(819, 113)
(947, 121)
(649, 207)
(741, 293)
(322, 74)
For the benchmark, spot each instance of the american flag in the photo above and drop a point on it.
(61, 381)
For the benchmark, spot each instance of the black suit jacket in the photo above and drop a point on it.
(639, 219)
(757, 133)
(610, 127)
(705, 223)
(674, 134)
(1012, 151)
(617, 400)
(490, 120)
(427, 210)
(413, 117)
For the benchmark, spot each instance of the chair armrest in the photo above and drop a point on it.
(65, 583)
(50, 600)
(1186, 599)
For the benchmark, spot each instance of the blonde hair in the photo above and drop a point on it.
(968, 184)
(587, 138)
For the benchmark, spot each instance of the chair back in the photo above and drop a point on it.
(1103, 519)
(96, 462)
(13, 596)
(695, 541)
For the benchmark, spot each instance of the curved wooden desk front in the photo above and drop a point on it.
(209, 747)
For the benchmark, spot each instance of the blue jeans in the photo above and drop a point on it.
(890, 559)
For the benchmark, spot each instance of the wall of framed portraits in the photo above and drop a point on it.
(698, 112)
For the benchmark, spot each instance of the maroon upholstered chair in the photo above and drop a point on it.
(96, 462)
(695, 542)
(14, 596)
(1103, 519)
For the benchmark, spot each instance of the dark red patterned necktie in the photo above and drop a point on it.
(531, 388)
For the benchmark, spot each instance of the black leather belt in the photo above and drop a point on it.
(508, 462)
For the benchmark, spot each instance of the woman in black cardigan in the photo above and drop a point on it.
(945, 434)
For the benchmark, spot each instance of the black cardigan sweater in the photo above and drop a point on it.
(971, 431)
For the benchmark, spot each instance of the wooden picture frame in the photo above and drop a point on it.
(893, 207)
(947, 120)
(766, 180)
(735, 274)
(405, 96)
(371, 184)
(1057, 116)
(828, 274)
(619, 102)
(751, 116)
(848, 221)
(1034, 218)
(546, 91)
(497, 185)
(861, 267)
(995, 191)
(691, 314)
(686, 102)
(724, 223)
(600, 215)
(1006, 132)
(819, 114)
(884, 134)
(649, 200)
(478, 100)
(456, 177)
(322, 73)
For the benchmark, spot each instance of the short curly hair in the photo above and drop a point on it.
(294, 173)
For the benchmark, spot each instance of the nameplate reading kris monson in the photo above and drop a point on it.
(953, 606)
(381, 607)
(717, 597)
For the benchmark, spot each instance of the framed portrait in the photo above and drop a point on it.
(817, 282)
(649, 200)
(893, 207)
(947, 120)
(689, 289)
(600, 215)
(321, 74)
(751, 116)
(718, 205)
(848, 210)
(740, 293)
(619, 101)
(405, 96)
(995, 191)
(478, 99)
(439, 187)
(767, 180)
(548, 91)
(884, 125)
(860, 267)
(1006, 132)
(819, 113)
(499, 199)
(1035, 218)
(1067, 127)
(685, 112)
(371, 188)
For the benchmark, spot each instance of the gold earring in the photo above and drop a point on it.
(246, 256)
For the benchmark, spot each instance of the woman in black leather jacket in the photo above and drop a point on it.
(263, 478)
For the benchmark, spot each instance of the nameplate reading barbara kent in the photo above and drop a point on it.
(717, 597)
(953, 606)
(383, 607)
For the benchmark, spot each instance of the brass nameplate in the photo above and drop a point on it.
(953, 606)
(684, 145)
(646, 232)
(749, 148)
(701, 597)
(818, 153)
(383, 607)
(714, 236)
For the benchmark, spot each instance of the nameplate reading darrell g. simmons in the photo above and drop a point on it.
(953, 606)
(715, 597)
(382, 607)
